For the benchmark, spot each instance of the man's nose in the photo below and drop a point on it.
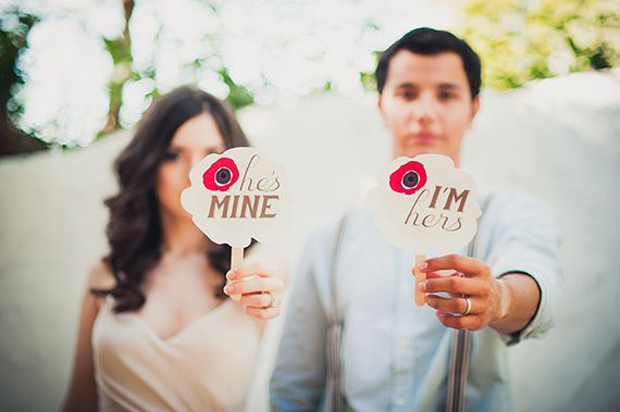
(425, 109)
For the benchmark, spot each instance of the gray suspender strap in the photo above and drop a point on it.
(334, 393)
(458, 371)
(457, 375)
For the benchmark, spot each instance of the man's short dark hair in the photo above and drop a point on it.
(427, 41)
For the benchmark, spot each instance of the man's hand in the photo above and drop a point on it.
(471, 278)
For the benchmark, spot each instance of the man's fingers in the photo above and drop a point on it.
(470, 266)
(455, 284)
(470, 322)
(456, 305)
(439, 275)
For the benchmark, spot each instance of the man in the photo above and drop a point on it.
(394, 355)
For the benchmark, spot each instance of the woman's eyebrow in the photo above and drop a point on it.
(217, 149)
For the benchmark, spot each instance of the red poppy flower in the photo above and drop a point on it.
(408, 178)
(221, 175)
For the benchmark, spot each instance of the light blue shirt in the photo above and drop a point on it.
(394, 354)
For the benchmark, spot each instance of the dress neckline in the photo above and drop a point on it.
(148, 329)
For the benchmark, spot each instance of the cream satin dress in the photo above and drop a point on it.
(207, 366)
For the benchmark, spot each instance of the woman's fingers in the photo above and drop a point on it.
(254, 285)
(260, 301)
(259, 293)
(239, 274)
(263, 314)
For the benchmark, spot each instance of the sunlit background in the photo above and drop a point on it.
(102, 62)
(85, 68)
(77, 75)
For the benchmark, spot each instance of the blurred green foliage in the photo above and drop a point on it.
(520, 40)
(14, 29)
(238, 96)
(15, 26)
(120, 50)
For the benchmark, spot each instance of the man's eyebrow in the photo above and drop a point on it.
(449, 86)
(440, 86)
(406, 86)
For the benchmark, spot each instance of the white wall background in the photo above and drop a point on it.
(558, 139)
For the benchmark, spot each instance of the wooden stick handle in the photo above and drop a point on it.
(236, 261)
(419, 277)
(236, 258)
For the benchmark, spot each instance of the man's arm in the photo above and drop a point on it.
(516, 295)
(519, 302)
(507, 304)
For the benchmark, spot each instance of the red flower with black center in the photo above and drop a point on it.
(221, 175)
(408, 178)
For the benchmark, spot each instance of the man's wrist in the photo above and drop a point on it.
(504, 301)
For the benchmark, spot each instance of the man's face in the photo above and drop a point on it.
(426, 104)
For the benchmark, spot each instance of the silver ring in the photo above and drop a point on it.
(468, 307)
(273, 301)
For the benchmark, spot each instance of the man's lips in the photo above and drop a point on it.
(424, 138)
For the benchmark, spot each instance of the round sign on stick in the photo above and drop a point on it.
(425, 202)
(235, 197)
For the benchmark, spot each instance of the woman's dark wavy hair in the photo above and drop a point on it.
(134, 230)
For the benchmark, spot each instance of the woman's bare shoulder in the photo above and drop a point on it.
(100, 276)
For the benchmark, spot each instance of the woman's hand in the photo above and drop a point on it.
(488, 300)
(259, 292)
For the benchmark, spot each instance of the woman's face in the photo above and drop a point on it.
(195, 139)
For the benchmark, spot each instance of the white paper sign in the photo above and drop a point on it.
(425, 202)
(236, 196)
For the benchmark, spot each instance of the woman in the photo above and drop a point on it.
(156, 330)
